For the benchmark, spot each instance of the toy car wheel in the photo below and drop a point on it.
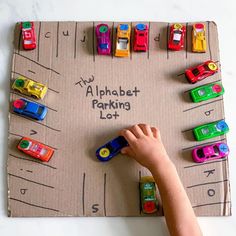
(217, 88)
(24, 144)
(140, 27)
(222, 126)
(199, 26)
(178, 26)
(34, 96)
(103, 29)
(26, 24)
(18, 104)
(104, 152)
(19, 83)
(223, 148)
(212, 66)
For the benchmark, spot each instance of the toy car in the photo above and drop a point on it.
(141, 37)
(210, 152)
(35, 149)
(199, 38)
(148, 196)
(103, 39)
(210, 130)
(176, 40)
(123, 40)
(206, 92)
(201, 71)
(29, 87)
(28, 35)
(111, 149)
(30, 109)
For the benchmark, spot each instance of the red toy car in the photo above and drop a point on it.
(141, 37)
(35, 149)
(200, 72)
(28, 35)
(176, 40)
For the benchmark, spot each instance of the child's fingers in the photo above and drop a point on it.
(127, 151)
(137, 131)
(156, 133)
(128, 135)
(146, 129)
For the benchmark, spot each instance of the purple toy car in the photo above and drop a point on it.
(210, 152)
(103, 39)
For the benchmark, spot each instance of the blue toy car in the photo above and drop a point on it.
(30, 109)
(111, 149)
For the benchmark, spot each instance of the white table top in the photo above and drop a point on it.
(12, 11)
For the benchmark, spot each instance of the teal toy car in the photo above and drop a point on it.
(210, 130)
(206, 92)
(149, 203)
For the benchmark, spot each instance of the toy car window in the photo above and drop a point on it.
(195, 71)
(110, 147)
(200, 153)
(27, 41)
(103, 45)
(216, 150)
(206, 67)
(40, 110)
(43, 152)
(122, 44)
(177, 36)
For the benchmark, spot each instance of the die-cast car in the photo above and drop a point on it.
(206, 92)
(30, 109)
(123, 40)
(35, 149)
(29, 87)
(176, 40)
(28, 35)
(199, 38)
(210, 130)
(149, 203)
(210, 152)
(103, 39)
(141, 37)
(201, 71)
(111, 149)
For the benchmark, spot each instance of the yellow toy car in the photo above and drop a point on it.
(29, 87)
(199, 38)
(123, 40)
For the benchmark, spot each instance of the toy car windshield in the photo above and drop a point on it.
(122, 43)
(177, 36)
(103, 46)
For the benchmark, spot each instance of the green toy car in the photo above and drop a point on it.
(210, 130)
(206, 92)
(148, 195)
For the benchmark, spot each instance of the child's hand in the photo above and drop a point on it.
(145, 145)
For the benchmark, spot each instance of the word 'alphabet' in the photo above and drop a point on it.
(95, 208)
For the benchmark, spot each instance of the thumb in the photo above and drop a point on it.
(127, 151)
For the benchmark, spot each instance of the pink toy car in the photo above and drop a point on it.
(210, 152)
(103, 39)
(141, 37)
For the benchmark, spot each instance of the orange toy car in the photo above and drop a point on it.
(35, 149)
(123, 40)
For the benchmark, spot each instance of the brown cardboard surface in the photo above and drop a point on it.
(74, 182)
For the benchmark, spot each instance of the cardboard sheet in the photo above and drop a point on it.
(90, 99)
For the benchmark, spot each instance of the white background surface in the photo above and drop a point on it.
(222, 12)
